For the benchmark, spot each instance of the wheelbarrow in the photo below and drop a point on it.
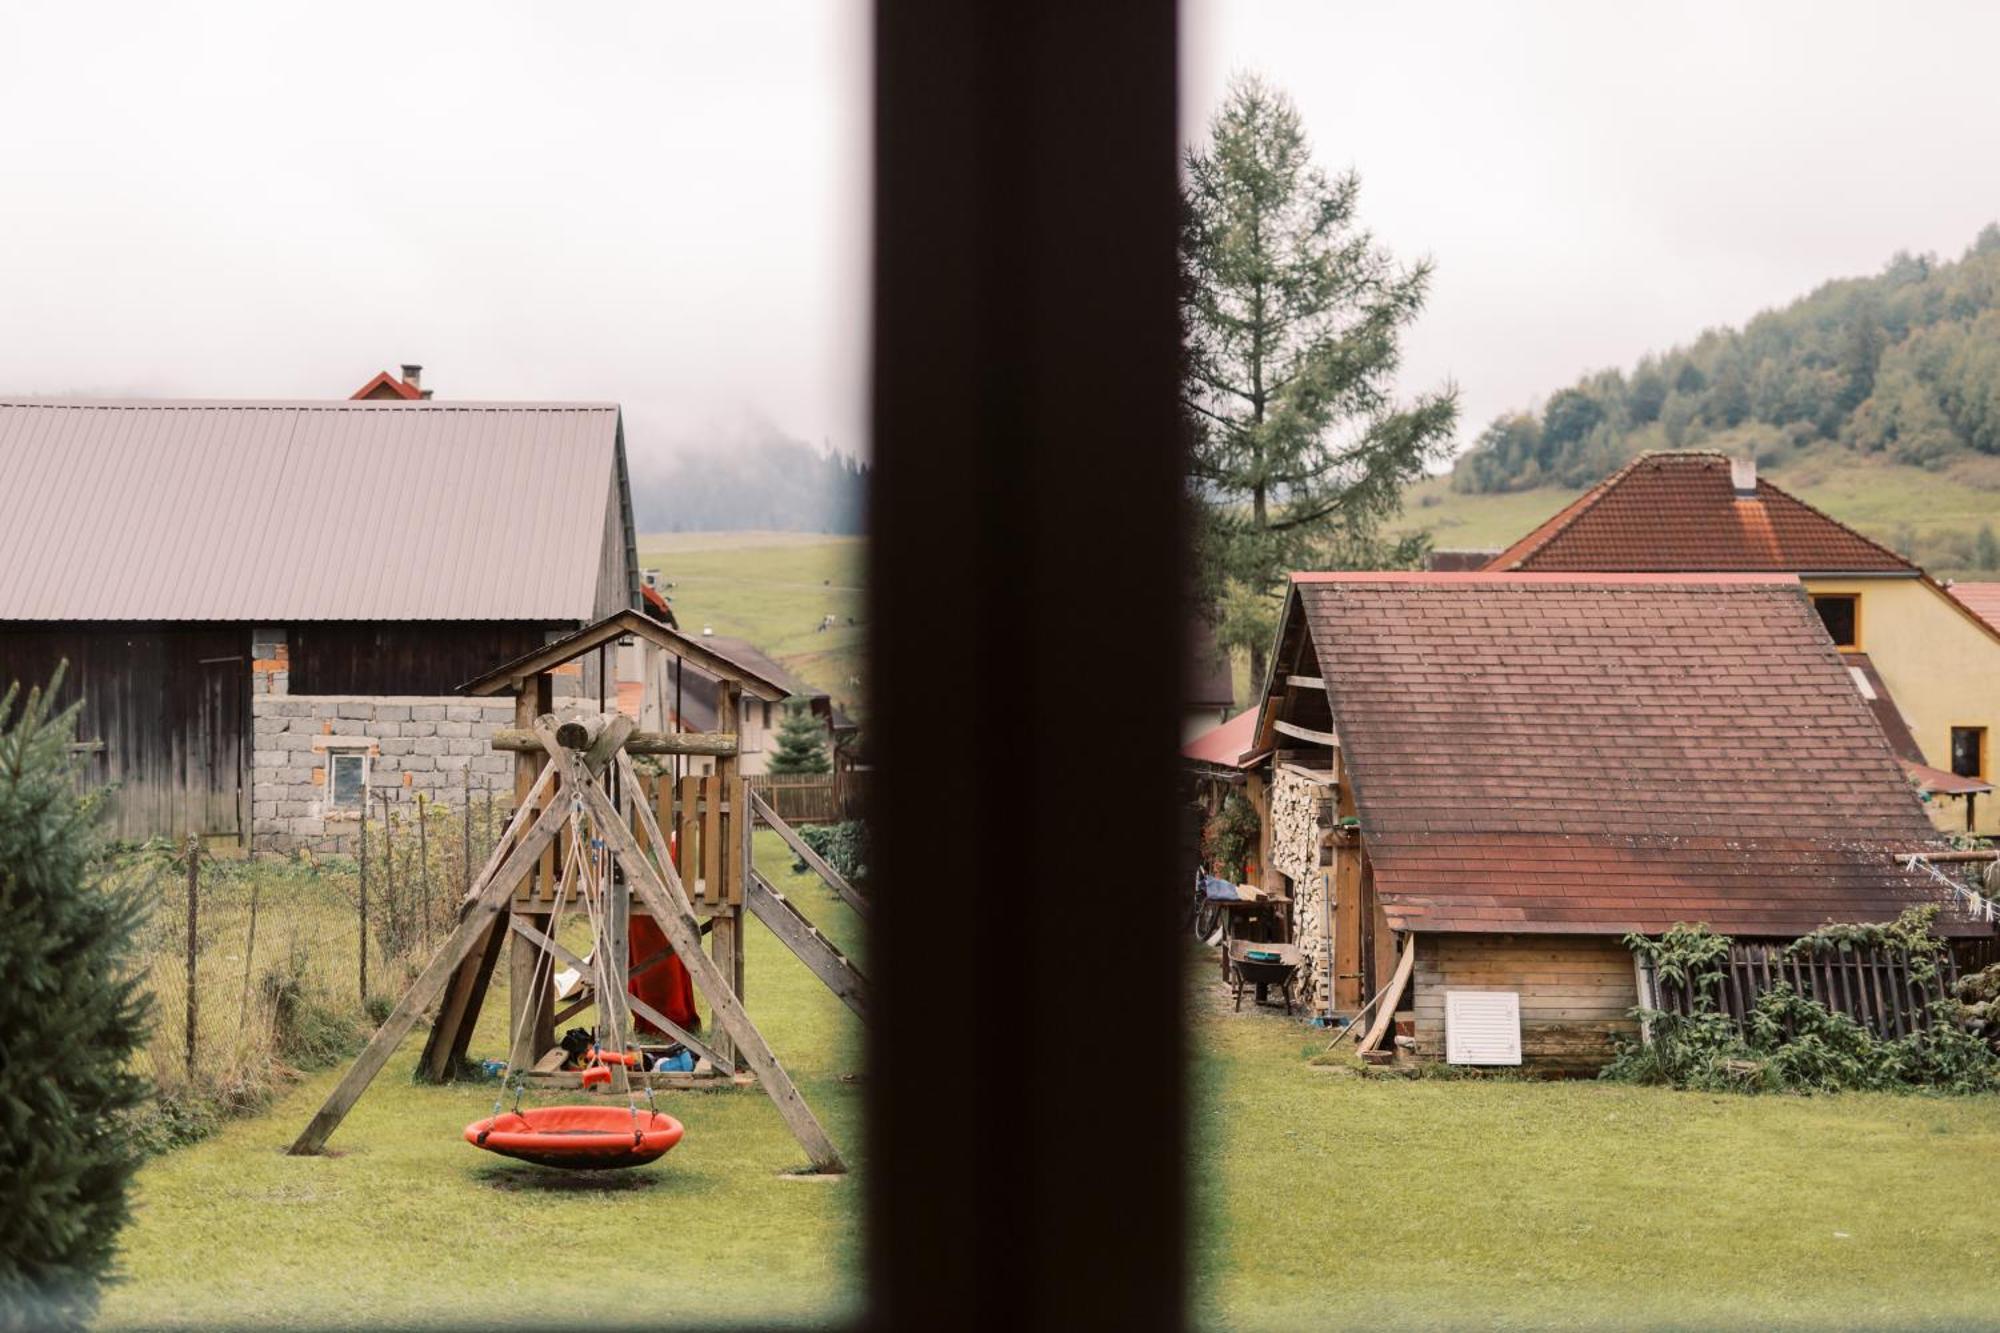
(1264, 966)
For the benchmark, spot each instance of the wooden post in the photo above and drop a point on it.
(465, 844)
(389, 863)
(193, 943)
(361, 898)
(424, 862)
(719, 858)
(530, 1028)
(618, 946)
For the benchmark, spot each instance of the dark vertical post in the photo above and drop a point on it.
(424, 863)
(193, 943)
(362, 896)
(1025, 519)
(465, 843)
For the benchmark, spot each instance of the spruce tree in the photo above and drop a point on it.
(1292, 317)
(71, 1016)
(801, 742)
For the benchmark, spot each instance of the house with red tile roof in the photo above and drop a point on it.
(1928, 662)
(1982, 599)
(1538, 764)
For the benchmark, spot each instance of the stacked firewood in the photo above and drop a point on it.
(1301, 811)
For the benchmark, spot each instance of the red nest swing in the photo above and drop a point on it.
(578, 1138)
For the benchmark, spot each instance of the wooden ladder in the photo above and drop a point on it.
(803, 938)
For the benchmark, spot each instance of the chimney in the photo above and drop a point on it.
(1743, 477)
(413, 376)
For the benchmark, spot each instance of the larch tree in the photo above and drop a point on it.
(1292, 316)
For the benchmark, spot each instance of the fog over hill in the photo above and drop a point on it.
(748, 476)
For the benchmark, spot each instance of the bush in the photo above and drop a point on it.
(1229, 840)
(843, 846)
(1792, 1043)
(71, 1016)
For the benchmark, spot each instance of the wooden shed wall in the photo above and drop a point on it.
(431, 657)
(170, 702)
(1576, 991)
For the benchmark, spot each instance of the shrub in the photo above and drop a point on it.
(71, 1016)
(843, 846)
(1791, 1042)
(1229, 839)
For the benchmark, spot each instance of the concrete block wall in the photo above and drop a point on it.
(416, 745)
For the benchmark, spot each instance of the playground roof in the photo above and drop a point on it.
(509, 677)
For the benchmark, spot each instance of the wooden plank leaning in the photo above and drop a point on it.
(1386, 1015)
(493, 899)
(834, 879)
(660, 889)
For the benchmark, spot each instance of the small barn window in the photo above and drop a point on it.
(346, 778)
(1841, 614)
(1968, 751)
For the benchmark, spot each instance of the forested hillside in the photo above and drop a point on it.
(1903, 366)
(752, 478)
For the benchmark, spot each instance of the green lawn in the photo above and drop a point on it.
(772, 588)
(407, 1223)
(1328, 1199)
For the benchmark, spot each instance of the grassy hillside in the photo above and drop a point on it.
(772, 588)
(1932, 516)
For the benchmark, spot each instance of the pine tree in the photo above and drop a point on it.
(801, 742)
(70, 1017)
(1292, 316)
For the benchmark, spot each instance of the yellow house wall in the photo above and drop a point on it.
(1943, 671)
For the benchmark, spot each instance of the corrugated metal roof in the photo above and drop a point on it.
(217, 510)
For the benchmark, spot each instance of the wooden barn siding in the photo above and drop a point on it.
(403, 657)
(1577, 991)
(170, 702)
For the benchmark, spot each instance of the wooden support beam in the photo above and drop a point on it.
(1305, 682)
(660, 889)
(1297, 732)
(834, 879)
(813, 949)
(521, 740)
(423, 993)
(445, 1048)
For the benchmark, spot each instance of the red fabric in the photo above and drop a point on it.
(667, 987)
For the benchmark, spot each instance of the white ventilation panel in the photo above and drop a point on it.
(1482, 1027)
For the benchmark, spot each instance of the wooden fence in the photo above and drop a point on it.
(1874, 987)
(811, 798)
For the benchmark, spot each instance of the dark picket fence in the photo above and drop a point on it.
(1878, 988)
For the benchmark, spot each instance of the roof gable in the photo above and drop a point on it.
(1575, 754)
(1680, 512)
(317, 510)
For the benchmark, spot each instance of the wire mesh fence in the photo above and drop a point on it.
(258, 969)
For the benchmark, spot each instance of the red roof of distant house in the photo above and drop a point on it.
(1225, 746)
(1982, 599)
(657, 604)
(386, 385)
(1680, 511)
(1591, 754)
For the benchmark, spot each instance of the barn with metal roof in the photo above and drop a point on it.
(266, 607)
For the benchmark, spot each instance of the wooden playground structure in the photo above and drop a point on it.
(581, 802)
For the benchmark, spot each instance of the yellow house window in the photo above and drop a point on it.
(1968, 752)
(1840, 612)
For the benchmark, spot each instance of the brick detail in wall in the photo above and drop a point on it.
(270, 662)
(416, 746)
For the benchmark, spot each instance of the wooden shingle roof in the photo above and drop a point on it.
(1601, 754)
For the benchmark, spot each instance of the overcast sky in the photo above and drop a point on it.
(1596, 180)
(667, 204)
